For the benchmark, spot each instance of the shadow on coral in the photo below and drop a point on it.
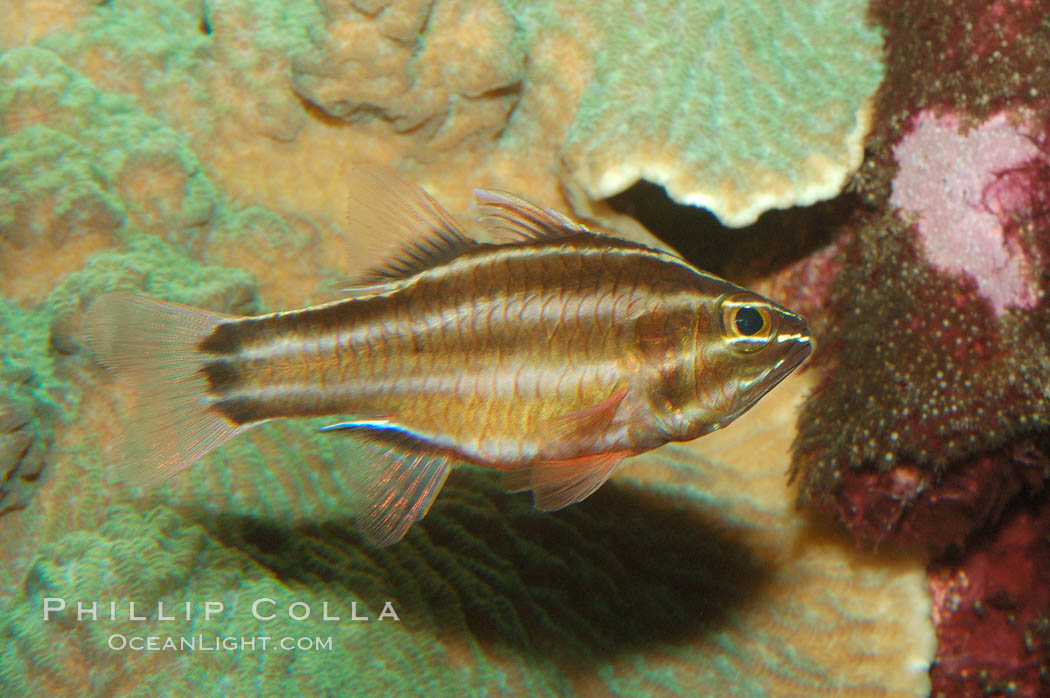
(318, 114)
(620, 571)
(778, 238)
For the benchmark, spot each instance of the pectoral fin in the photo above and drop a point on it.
(586, 425)
(400, 482)
(557, 484)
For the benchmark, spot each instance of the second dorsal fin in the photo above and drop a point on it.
(405, 220)
(505, 213)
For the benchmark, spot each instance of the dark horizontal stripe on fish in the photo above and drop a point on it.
(238, 410)
(298, 401)
(222, 376)
(484, 310)
(244, 410)
(225, 339)
(237, 336)
(492, 277)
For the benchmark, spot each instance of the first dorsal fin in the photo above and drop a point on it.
(404, 218)
(505, 213)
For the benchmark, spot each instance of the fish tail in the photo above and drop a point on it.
(155, 347)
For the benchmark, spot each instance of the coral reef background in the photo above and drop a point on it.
(195, 151)
(929, 427)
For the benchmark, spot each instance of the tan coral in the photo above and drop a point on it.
(458, 94)
(383, 67)
(852, 623)
(27, 21)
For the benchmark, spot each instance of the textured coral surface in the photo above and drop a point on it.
(930, 425)
(717, 86)
(194, 151)
(991, 609)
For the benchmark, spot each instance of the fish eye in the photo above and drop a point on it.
(747, 323)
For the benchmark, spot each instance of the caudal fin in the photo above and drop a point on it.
(153, 345)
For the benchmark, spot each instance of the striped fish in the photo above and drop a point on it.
(552, 354)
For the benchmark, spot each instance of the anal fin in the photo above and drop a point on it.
(400, 483)
(557, 484)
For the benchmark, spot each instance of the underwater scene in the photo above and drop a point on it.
(524, 347)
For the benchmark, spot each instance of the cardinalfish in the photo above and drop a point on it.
(554, 354)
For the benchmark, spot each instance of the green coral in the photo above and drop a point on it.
(75, 159)
(35, 389)
(738, 107)
(84, 153)
(36, 83)
(25, 357)
(71, 161)
(51, 188)
(156, 556)
(170, 52)
(149, 265)
(30, 394)
(519, 602)
(632, 589)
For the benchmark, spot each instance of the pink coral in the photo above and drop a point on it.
(952, 182)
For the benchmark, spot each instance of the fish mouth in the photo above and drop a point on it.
(796, 354)
(799, 351)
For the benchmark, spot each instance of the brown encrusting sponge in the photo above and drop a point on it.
(922, 379)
